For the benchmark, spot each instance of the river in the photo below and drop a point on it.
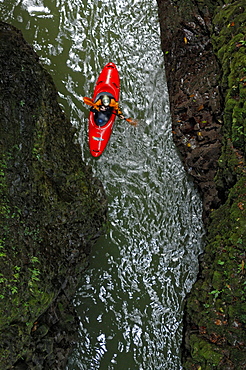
(130, 300)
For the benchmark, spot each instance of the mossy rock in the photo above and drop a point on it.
(204, 354)
(51, 207)
(217, 280)
(217, 300)
(212, 310)
(229, 43)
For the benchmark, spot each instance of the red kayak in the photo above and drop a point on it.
(100, 124)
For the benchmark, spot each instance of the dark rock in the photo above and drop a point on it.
(193, 75)
(51, 212)
(205, 75)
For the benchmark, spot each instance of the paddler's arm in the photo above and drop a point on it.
(90, 102)
(120, 114)
(116, 107)
(117, 114)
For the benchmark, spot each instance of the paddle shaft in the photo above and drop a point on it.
(90, 102)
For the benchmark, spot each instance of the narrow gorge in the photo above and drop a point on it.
(137, 258)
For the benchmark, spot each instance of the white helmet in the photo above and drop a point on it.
(105, 100)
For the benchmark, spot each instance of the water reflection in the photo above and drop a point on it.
(130, 299)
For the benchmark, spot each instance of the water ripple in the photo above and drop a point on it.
(131, 298)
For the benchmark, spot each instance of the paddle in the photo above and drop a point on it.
(90, 102)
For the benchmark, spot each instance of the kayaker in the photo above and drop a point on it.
(108, 105)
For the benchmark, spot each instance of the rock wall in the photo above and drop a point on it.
(51, 211)
(193, 75)
(204, 46)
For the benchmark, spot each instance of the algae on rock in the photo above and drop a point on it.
(51, 208)
(204, 46)
(218, 314)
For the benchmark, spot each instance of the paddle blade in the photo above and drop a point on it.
(132, 122)
(88, 101)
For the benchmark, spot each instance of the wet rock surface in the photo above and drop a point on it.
(193, 74)
(205, 56)
(51, 212)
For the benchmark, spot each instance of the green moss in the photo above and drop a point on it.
(204, 354)
(218, 299)
(217, 280)
(229, 43)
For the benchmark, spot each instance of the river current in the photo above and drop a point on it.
(130, 300)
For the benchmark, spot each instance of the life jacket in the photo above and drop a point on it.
(113, 104)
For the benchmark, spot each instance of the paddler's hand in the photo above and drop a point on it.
(121, 116)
